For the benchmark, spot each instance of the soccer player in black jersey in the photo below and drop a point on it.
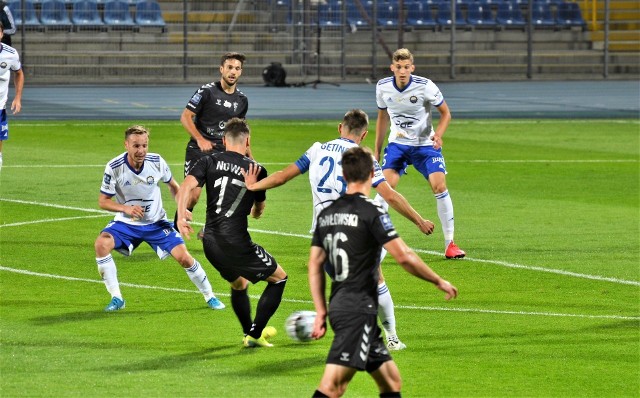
(208, 111)
(227, 243)
(346, 243)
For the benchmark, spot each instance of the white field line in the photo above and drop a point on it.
(408, 307)
(497, 161)
(306, 236)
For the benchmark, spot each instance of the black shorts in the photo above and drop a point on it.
(251, 262)
(193, 154)
(357, 341)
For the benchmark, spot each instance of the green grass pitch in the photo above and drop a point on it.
(549, 305)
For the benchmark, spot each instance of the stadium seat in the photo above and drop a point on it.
(149, 14)
(330, 15)
(542, 16)
(419, 15)
(480, 16)
(117, 14)
(387, 14)
(30, 19)
(84, 14)
(569, 15)
(509, 16)
(443, 16)
(355, 18)
(54, 15)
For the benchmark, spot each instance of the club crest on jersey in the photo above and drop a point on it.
(413, 99)
(196, 99)
(3, 65)
(386, 222)
(151, 180)
(227, 104)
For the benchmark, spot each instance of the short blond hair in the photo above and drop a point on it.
(402, 54)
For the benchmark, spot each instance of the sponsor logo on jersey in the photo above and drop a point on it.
(107, 179)
(386, 222)
(235, 106)
(151, 180)
(195, 99)
(413, 99)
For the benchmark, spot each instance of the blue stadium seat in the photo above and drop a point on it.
(30, 19)
(54, 15)
(117, 14)
(355, 18)
(148, 13)
(84, 14)
(419, 15)
(387, 14)
(542, 16)
(569, 15)
(443, 15)
(509, 16)
(480, 16)
(330, 14)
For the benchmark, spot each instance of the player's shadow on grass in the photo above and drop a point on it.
(82, 316)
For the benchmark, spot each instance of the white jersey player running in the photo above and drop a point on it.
(405, 102)
(323, 162)
(132, 178)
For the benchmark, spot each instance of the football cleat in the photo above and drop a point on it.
(115, 305)
(394, 344)
(215, 304)
(269, 332)
(250, 342)
(453, 251)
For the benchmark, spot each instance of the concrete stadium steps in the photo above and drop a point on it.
(624, 25)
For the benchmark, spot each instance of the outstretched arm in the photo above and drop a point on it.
(274, 180)
(413, 264)
(182, 199)
(402, 206)
(317, 282)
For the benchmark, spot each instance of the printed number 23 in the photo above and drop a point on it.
(325, 177)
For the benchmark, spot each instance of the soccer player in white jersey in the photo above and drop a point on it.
(132, 178)
(405, 103)
(9, 62)
(323, 162)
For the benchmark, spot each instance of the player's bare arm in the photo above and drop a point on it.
(276, 179)
(182, 199)
(317, 282)
(187, 122)
(258, 209)
(400, 204)
(18, 82)
(445, 119)
(413, 264)
(173, 187)
(382, 126)
(107, 203)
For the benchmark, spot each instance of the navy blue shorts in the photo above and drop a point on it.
(424, 158)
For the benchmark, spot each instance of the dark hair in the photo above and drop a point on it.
(135, 129)
(357, 164)
(356, 121)
(233, 55)
(236, 129)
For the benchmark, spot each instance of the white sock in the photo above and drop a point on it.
(109, 273)
(199, 278)
(445, 213)
(0, 160)
(386, 312)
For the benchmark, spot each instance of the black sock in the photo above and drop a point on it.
(390, 394)
(318, 394)
(242, 308)
(267, 306)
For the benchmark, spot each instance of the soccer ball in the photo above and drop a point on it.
(299, 325)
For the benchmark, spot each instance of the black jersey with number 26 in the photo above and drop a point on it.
(228, 200)
(352, 231)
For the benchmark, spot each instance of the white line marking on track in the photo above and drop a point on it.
(409, 307)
